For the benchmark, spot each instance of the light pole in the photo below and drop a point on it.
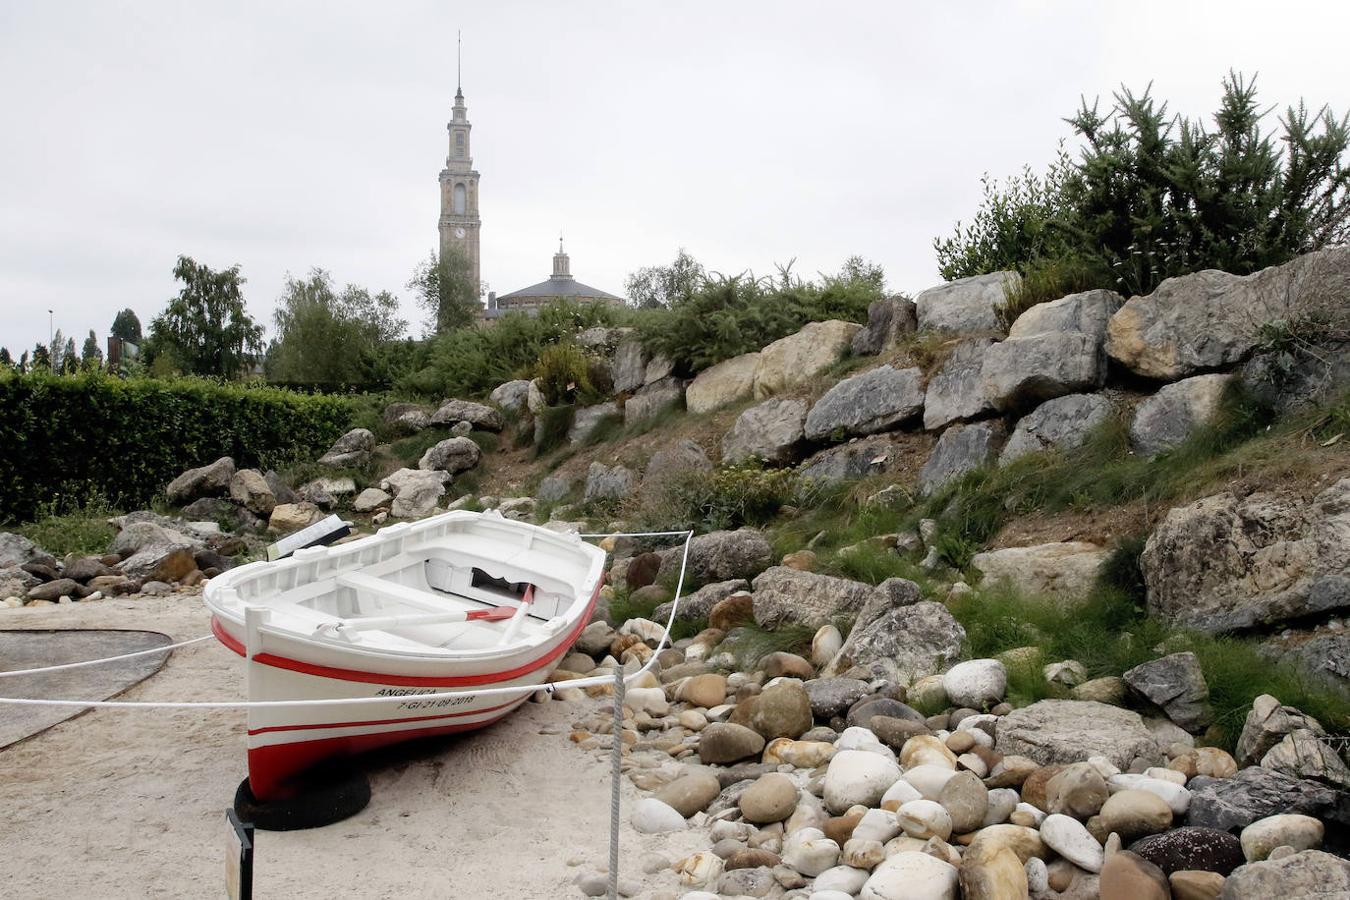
(51, 336)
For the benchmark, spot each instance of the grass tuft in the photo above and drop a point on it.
(79, 529)
(751, 642)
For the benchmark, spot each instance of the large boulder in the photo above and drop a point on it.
(1089, 312)
(1021, 372)
(608, 482)
(206, 481)
(727, 382)
(785, 596)
(1321, 656)
(887, 319)
(1254, 793)
(1309, 875)
(1069, 731)
(898, 637)
(961, 449)
(876, 400)
(856, 459)
(415, 491)
(966, 305)
(250, 490)
(720, 556)
(674, 461)
(956, 391)
(772, 431)
(1064, 423)
(15, 582)
(1300, 376)
(699, 605)
(628, 366)
(351, 451)
(651, 400)
(482, 418)
(1212, 320)
(288, 517)
(1175, 684)
(406, 418)
(587, 419)
(154, 552)
(453, 455)
(1224, 563)
(797, 357)
(1064, 571)
(1267, 723)
(15, 549)
(512, 396)
(1172, 415)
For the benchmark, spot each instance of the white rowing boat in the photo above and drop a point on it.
(455, 602)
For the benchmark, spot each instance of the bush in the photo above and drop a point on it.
(1154, 195)
(732, 496)
(567, 375)
(93, 435)
(72, 528)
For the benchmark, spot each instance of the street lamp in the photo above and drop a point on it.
(51, 337)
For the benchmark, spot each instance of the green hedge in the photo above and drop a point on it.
(69, 439)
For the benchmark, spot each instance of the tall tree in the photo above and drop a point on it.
(205, 330)
(5, 359)
(91, 357)
(657, 286)
(330, 337)
(127, 326)
(70, 363)
(57, 349)
(23, 361)
(446, 290)
(42, 359)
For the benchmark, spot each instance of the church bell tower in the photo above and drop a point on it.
(459, 223)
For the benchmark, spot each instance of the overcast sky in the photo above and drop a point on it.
(284, 136)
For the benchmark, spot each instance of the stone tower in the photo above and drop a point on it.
(459, 222)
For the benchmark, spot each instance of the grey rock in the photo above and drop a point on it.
(83, 568)
(1223, 563)
(1021, 372)
(327, 493)
(556, 487)
(351, 451)
(15, 549)
(1194, 848)
(1063, 572)
(1068, 731)
(793, 359)
(453, 455)
(15, 582)
(1310, 875)
(1211, 320)
(725, 742)
(966, 305)
(772, 431)
(785, 596)
(415, 491)
(370, 500)
(230, 516)
(628, 366)
(412, 421)
(280, 489)
(1063, 423)
(851, 461)
(608, 482)
(727, 382)
(483, 418)
(659, 368)
(1299, 377)
(720, 556)
(600, 339)
(672, 462)
(206, 481)
(897, 637)
(1305, 753)
(887, 319)
(1165, 420)
(513, 396)
(250, 490)
(652, 400)
(1253, 793)
(699, 604)
(519, 509)
(833, 696)
(956, 391)
(55, 590)
(588, 418)
(1088, 312)
(1267, 723)
(876, 400)
(146, 535)
(1322, 657)
(960, 449)
(1176, 684)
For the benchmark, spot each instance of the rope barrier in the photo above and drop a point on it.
(107, 659)
(549, 687)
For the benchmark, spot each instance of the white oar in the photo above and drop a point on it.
(514, 625)
(383, 623)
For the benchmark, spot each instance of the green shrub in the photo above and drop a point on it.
(94, 435)
(1045, 279)
(751, 642)
(409, 450)
(564, 374)
(730, 497)
(81, 529)
(551, 429)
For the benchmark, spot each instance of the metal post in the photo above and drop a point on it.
(617, 735)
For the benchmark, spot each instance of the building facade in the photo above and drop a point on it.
(459, 222)
(559, 286)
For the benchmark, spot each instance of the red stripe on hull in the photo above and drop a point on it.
(295, 665)
(313, 725)
(270, 769)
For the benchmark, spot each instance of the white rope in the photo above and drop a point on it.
(107, 659)
(346, 701)
(615, 778)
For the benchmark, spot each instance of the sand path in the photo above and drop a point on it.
(131, 804)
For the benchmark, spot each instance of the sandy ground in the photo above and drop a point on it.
(132, 803)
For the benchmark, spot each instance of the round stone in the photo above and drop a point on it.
(1289, 830)
(857, 777)
(651, 816)
(690, 793)
(1067, 837)
(1193, 847)
(772, 798)
(1131, 814)
(926, 750)
(924, 819)
(976, 683)
(966, 800)
(707, 690)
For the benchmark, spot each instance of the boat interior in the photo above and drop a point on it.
(427, 572)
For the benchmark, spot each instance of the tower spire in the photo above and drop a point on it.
(459, 63)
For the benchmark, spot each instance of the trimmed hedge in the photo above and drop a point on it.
(70, 439)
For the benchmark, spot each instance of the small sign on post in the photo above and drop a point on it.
(238, 858)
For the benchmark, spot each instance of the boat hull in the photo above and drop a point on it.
(284, 742)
